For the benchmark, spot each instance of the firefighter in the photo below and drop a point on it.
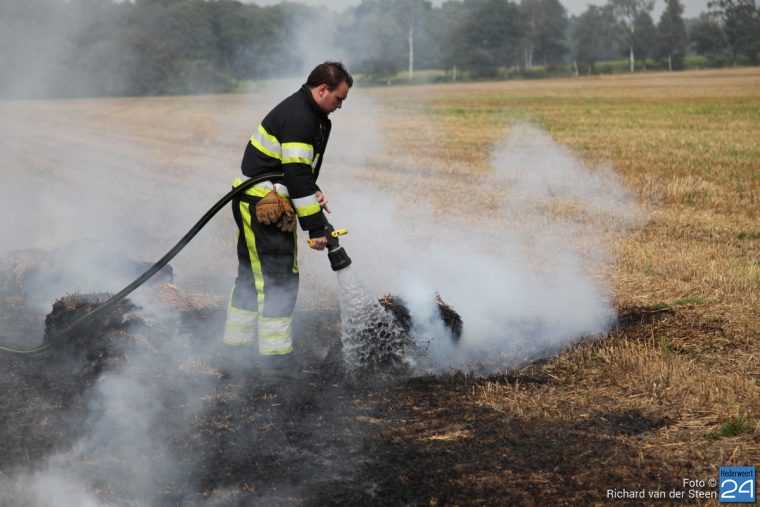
(291, 140)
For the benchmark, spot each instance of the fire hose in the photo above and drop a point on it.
(338, 260)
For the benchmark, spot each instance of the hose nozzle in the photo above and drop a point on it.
(335, 253)
(338, 258)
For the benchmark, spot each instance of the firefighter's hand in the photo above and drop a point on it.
(268, 209)
(318, 243)
(322, 200)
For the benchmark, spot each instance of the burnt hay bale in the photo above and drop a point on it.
(72, 307)
(396, 306)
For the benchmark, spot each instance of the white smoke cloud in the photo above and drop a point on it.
(87, 193)
(116, 450)
(86, 201)
(51, 486)
(524, 276)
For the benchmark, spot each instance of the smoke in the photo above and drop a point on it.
(118, 444)
(88, 197)
(521, 253)
(51, 486)
(518, 253)
(91, 188)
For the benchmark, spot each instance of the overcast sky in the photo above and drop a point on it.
(692, 8)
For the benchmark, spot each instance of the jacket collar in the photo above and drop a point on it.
(313, 103)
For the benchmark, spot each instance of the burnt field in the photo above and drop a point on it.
(202, 427)
(598, 237)
(145, 407)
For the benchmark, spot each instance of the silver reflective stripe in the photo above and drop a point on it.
(303, 202)
(278, 187)
(281, 189)
(240, 328)
(277, 328)
(275, 335)
(297, 152)
(306, 206)
(314, 162)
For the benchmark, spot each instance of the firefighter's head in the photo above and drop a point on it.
(329, 83)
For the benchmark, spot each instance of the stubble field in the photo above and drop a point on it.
(669, 393)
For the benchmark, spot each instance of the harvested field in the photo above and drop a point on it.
(159, 413)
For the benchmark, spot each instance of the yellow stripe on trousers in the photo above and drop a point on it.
(253, 254)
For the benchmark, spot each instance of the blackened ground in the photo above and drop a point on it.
(44, 395)
(321, 441)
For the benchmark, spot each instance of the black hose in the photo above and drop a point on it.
(56, 337)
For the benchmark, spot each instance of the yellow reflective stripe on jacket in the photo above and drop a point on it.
(266, 143)
(306, 206)
(287, 153)
(297, 153)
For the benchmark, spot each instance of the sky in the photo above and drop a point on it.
(692, 8)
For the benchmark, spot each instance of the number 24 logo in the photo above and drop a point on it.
(746, 488)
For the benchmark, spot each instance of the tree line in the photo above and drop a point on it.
(146, 47)
(728, 34)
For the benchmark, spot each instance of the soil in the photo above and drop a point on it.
(320, 440)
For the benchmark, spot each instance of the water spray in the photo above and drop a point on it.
(373, 340)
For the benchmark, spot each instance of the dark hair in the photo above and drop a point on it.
(330, 73)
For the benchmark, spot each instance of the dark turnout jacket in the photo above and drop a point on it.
(292, 139)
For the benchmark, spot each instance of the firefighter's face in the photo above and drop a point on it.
(328, 100)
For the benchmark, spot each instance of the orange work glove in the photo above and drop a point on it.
(287, 221)
(268, 209)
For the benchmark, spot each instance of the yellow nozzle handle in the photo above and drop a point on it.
(334, 234)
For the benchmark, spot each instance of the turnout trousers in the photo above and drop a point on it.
(261, 305)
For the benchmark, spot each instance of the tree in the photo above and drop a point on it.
(741, 25)
(644, 37)
(102, 61)
(487, 37)
(589, 36)
(624, 14)
(708, 39)
(376, 40)
(543, 31)
(413, 16)
(672, 40)
(447, 22)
